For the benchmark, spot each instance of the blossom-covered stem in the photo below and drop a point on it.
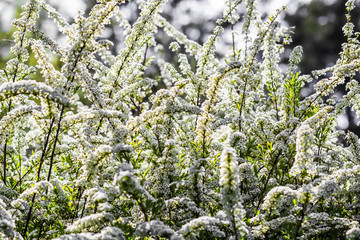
(252, 58)
(130, 51)
(248, 17)
(208, 105)
(232, 8)
(118, 74)
(10, 101)
(208, 51)
(18, 56)
(69, 80)
(137, 106)
(90, 36)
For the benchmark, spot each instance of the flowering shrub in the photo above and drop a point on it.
(225, 149)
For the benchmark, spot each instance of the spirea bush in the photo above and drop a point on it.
(205, 148)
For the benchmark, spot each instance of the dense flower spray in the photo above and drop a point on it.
(95, 147)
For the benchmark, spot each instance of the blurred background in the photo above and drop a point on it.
(318, 28)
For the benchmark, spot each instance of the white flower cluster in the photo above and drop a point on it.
(8, 90)
(7, 224)
(211, 224)
(305, 152)
(126, 181)
(108, 233)
(229, 179)
(157, 228)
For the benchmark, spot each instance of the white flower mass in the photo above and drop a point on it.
(108, 139)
